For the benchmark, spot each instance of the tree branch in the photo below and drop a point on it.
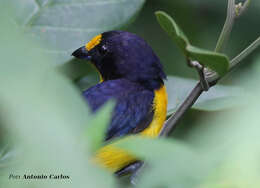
(189, 101)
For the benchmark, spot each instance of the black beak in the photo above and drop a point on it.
(82, 53)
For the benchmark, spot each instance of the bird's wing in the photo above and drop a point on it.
(133, 111)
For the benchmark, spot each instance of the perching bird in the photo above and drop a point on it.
(131, 74)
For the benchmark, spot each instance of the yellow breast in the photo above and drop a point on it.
(114, 158)
(160, 110)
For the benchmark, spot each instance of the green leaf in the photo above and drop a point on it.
(216, 61)
(98, 125)
(173, 30)
(217, 98)
(65, 25)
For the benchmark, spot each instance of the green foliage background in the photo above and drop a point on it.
(46, 128)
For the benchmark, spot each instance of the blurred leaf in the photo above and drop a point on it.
(98, 125)
(217, 98)
(156, 147)
(173, 30)
(229, 141)
(45, 116)
(169, 163)
(65, 25)
(235, 139)
(230, 145)
(215, 61)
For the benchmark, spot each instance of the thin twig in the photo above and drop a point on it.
(225, 33)
(245, 53)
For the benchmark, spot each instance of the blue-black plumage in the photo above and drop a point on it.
(133, 111)
(131, 74)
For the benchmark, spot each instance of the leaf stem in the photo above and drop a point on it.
(225, 33)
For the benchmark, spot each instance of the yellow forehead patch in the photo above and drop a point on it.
(94, 42)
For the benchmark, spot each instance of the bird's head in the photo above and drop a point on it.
(120, 54)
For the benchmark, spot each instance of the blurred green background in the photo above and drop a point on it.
(47, 128)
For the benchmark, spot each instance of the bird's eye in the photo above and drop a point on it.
(103, 50)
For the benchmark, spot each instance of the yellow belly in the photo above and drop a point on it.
(114, 158)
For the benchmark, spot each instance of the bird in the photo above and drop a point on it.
(132, 75)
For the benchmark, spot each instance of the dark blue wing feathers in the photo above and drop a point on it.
(133, 111)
